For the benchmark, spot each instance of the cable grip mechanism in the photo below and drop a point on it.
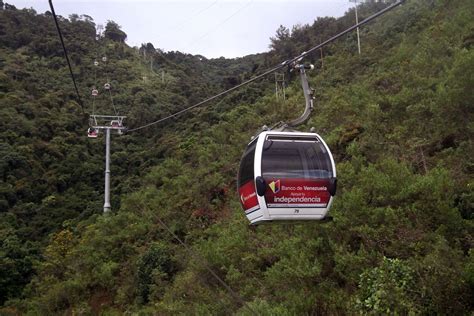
(308, 93)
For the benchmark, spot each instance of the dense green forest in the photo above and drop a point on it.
(398, 119)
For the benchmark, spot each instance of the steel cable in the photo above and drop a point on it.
(275, 68)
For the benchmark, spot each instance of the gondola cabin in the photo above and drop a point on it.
(92, 132)
(115, 124)
(286, 176)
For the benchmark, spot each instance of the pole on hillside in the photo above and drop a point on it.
(280, 86)
(357, 22)
(322, 56)
(106, 123)
(107, 172)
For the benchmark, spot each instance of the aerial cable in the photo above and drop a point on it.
(94, 89)
(93, 105)
(102, 62)
(277, 67)
(65, 53)
(112, 101)
(194, 15)
(352, 28)
(220, 24)
(107, 85)
(234, 295)
(177, 113)
(109, 89)
(206, 100)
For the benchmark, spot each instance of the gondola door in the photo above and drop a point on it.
(295, 176)
(300, 175)
(246, 184)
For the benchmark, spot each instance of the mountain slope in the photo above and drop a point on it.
(398, 119)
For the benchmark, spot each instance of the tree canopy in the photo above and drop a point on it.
(398, 119)
(113, 32)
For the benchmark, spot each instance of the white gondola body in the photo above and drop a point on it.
(92, 133)
(299, 177)
(116, 124)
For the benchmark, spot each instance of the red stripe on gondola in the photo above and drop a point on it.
(297, 192)
(248, 196)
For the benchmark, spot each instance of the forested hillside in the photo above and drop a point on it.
(398, 119)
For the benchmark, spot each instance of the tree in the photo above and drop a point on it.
(281, 44)
(113, 32)
(386, 289)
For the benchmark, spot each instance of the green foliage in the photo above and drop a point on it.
(16, 258)
(440, 286)
(155, 268)
(386, 289)
(114, 33)
(398, 119)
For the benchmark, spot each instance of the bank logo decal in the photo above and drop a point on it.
(275, 186)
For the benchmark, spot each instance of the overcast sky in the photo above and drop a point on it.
(212, 28)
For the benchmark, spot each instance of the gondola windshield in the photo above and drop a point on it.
(297, 170)
(298, 157)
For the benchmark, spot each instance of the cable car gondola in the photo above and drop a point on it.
(115, 123)
(286, 175)
(92, 132)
